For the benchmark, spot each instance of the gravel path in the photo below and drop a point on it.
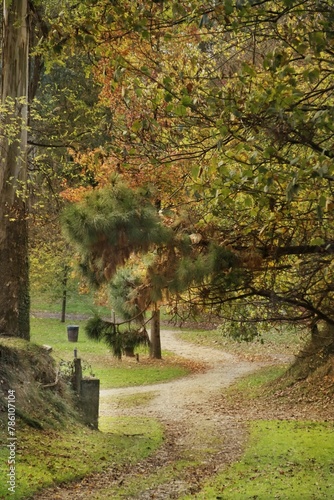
(196, 427)
(176, 400)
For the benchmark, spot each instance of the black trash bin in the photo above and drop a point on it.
(72, 333)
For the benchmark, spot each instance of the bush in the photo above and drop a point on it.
(120, 341)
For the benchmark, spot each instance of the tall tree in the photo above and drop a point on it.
(246, 103)
(109, 227)
(238, 96)
(14, 292)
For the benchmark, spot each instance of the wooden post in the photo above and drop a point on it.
(77, 377)
(89, 401)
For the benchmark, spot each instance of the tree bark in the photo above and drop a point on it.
(66, 270)
(63, 304)
(155, 346)
(14, 290)
(316, 353)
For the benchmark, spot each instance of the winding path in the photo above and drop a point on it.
(176, 400)
(195, 427)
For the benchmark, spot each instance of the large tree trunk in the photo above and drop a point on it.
(155, 345)
(316, 353)
(14, 290)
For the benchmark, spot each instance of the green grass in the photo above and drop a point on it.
(285, 460)
(135, 375)
(47, 458)
(252, 386)
(76, 304)
(98, 359)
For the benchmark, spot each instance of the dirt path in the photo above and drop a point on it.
(195, 427)
(177, 400)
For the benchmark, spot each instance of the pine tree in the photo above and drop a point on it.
(123, 241)
(108, 227)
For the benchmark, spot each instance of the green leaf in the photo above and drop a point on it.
(248, 201)
(167, 81)
(312, 75)
(180, 110)
(137, 126)
(186, 100)
(269, 152)
(318, 41)
(247, 70)
(322, 201)
(317, 241)
(229, 6)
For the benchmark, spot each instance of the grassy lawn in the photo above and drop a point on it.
(76, 304)
(283, 459)
(97, 360)
(48, 458)
(286, 460)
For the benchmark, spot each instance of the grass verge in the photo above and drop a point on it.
(251, 387)
(50, 454)
(48, 458)
(285, 460)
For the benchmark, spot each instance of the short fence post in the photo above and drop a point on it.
(77, 376)
(89, 401)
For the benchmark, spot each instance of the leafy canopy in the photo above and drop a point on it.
(230, 106)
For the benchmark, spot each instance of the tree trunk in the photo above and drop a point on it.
(129, 352)
(63, 306)
(316, 353)
(155, 346)
(64, 294)
(14, 290)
